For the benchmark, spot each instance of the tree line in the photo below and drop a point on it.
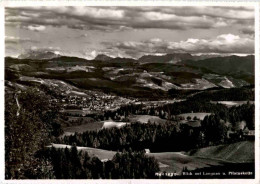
(168, 136)
(73, 164)
(171, 111)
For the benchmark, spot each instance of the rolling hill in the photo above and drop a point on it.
(38, 55)
(237, 152)
(102, 57)
(226, 64)
(168, 58)
(149, 76)
(198, 159)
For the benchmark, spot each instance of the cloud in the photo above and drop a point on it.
(36, 28)
(124, 18)
(112, 19)
(45, 49)
(225, 43)
(228, 12)
(17, 40)
(93, 53)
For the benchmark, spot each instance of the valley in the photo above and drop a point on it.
(130, 90)
(164, 103)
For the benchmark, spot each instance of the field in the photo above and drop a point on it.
(82, 128)
(76, 112)
(145, 119)
(101, 154)
(232, 103)
(112, 124)
(91, 126)
(175, 161)
(84, 119)
(199, 115)
(239, 152)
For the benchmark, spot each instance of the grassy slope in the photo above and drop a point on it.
(168, 161)
(176, 161)
(100, 153)
(146, 118)
(237, 152)
(93, 126)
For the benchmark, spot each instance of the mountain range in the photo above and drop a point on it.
(148, 75)
(35, 54)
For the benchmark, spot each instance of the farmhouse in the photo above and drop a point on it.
(249, 134)
(147, 151)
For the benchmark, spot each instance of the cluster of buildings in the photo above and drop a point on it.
(95, 102)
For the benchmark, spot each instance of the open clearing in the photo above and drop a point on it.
(232, 103)
(146, 118)
(100, 153)
(91, 126)
(175, 161)
(82, 128)
(237, 152)
(76, 112)
(112, 124)
(199, 115)
(84, 119)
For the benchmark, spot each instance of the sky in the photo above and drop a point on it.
(129, 31)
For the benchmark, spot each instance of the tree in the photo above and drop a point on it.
(27, 130)
(214, 129)
(96, 168)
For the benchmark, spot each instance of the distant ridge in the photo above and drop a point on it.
(102, 57)
(228, 64)
(168, 58)
(39, 55)
(173, 58)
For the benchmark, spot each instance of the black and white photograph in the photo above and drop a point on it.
(129, 92)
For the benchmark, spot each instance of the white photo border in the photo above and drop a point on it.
(14, 3)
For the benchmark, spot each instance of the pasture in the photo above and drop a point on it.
(100, 153)
(76, 112)
(239, 152)
(176, 161)
(89, 125)
(146, 118)
(93, 126)
(232, 103)
(112, 124)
